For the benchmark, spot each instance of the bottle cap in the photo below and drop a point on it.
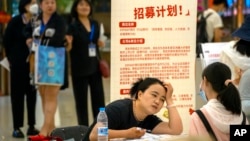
(102, 108)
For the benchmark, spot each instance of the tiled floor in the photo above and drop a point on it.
(65, 115)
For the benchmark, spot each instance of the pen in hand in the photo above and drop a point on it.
(147, 130)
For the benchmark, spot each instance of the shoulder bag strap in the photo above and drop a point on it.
(209, 14)
(244, 119)
(207, 125)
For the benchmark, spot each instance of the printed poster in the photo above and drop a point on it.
(211, 52)
(155, 39)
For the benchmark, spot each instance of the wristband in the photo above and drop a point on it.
(171, 106)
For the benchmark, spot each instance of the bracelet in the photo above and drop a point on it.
(171, 106)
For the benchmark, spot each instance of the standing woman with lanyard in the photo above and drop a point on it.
(17, 52)
(50, 20)
(84, 55)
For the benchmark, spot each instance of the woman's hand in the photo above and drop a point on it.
(238, 73)
(169, 92)
(100, 43)
(135, 132)
(29, 42)
(69, 40)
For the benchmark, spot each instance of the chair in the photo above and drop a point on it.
(76, 133)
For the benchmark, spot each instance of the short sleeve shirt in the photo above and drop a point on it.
(213, 21)
(120, 116)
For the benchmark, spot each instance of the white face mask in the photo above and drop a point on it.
(34, 9)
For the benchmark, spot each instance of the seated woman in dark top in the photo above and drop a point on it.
(126, 115)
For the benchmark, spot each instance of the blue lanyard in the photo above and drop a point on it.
(92, 33)
(42, 28)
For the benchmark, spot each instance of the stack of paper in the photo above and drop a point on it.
(5, 63)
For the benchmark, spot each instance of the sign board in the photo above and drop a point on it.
(154, 39)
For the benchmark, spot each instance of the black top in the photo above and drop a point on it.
(15, 42)
(56, 23)
(81, 63)
(120, 116)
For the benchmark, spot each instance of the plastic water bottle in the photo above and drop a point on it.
(102, 122)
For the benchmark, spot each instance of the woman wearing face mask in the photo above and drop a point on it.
(223, 107)
(17, 52)
(49, 92)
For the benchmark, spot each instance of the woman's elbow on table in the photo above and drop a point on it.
(92, 137)
(165, 128)
(93, 134)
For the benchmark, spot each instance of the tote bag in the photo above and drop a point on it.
(50, 65)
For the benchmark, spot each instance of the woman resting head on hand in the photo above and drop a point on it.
(131, 117)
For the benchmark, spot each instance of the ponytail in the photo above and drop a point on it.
(230, 98)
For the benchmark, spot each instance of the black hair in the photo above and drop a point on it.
(40, 1)
(217, 73)
(243, 47)
(143, 84)
(74, 13)
(22, 4)
(217, 2)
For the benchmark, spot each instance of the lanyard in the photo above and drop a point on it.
(92, 32)
(42, 28)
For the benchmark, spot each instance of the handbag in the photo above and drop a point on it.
(103, 64)
(104, 68)
(75, 133)
(50, 65)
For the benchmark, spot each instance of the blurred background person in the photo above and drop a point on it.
(20, 89)
(237, 54)
(223, 107)
(49, 92)
(244, 90)
(214, 21)
(84, 56)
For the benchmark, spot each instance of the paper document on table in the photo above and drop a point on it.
(5, 63)
(158, 137)
(72, 139)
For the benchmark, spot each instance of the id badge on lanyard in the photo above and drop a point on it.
(92, 46)
(35, 44)
(92, 50)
